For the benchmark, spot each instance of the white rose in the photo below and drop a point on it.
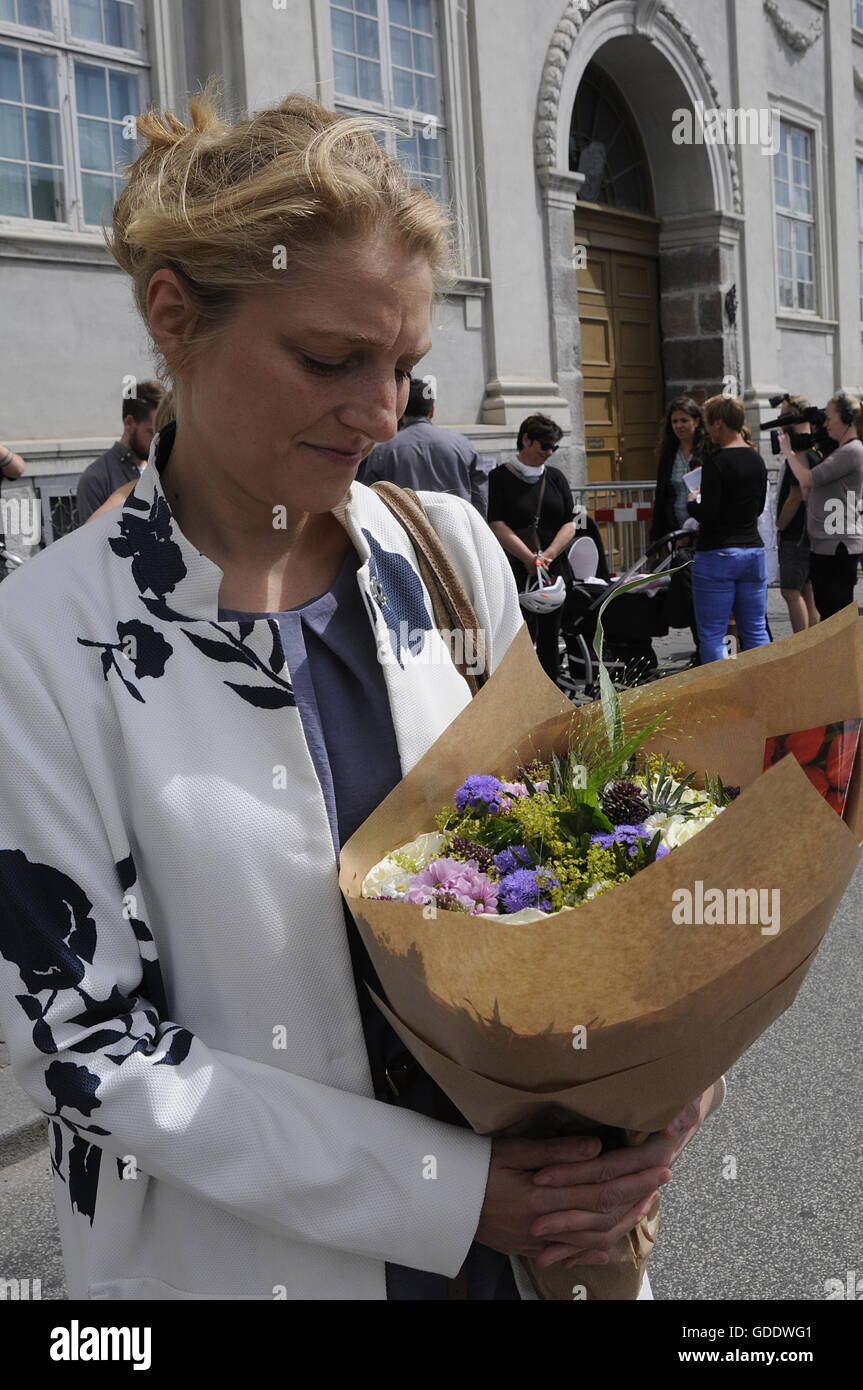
(389, 878)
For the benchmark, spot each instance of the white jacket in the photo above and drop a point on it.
(175, 979)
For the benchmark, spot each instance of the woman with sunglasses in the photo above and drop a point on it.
(520, 490)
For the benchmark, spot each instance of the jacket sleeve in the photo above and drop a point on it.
(91, 1040)
(90, 494)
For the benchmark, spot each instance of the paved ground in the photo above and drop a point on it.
(790, 1219)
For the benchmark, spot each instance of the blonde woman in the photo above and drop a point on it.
(729, 570)
(204, 693)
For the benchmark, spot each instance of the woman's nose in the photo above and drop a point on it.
(375, 412)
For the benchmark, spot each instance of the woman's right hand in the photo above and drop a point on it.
(599, 1211)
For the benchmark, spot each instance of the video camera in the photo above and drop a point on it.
(819, 439)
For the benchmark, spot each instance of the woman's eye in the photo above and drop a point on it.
(323, 368)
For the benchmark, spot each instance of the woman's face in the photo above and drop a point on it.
(306, 379)
(683, 426)
(836, 426)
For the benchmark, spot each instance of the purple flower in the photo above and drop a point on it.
(516, 857)
(441, 875)
(623, 835)
(515, 788)
(479, 893)
(525, 888)
(480, 790)
(661, 851)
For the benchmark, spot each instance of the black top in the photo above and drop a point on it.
(664, 519)
(796, 528)
(513, 500)
(733, 493)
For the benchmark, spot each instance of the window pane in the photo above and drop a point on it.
(429, 156)
(346, 75)
(403, 88)
(125, 151)
(426, 90)
(94, 138)
(421, 14)
(367, 38)
(369, 80)
(43, 137)
(786, 265)
(123, 92)
(11, 132)
(47, 194)
(98, 197)
(423, 54)
(40, 80)
(90, 90)
(366, 6)
(400, 13)
(13, 190)
(783, 232)
(400, 45)
(10, 82)
(119, 24)
(343, 30)
(36, 13)
(786, 294)
(7, 10)
(86, 19)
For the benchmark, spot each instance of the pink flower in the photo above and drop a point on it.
(473, 889)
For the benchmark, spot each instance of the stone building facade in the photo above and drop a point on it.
(617, 242)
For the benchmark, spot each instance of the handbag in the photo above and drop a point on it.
(452, 609)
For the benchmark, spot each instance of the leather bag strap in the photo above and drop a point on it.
(453, 610)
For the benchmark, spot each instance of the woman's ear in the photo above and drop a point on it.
(169, 313)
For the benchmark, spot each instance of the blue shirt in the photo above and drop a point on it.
(342, 700)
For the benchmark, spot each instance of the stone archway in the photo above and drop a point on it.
(653, 55)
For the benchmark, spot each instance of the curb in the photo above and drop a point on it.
(23, 1140)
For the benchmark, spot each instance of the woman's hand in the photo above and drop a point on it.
(692, 497)
(560, 1199)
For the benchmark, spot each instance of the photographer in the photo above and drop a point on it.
(797, 415)
(832, 491)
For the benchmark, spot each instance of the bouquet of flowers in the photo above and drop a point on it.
(544, 961)
(563, 834)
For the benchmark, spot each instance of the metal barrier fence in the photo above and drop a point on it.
(623, 513)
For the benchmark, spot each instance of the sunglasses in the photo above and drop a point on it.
(549, 448)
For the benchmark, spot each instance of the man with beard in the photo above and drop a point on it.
(125, 460)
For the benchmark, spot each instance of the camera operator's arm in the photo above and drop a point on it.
(790, 507)
(798, 463)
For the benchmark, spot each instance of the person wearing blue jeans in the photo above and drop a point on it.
(729, 569)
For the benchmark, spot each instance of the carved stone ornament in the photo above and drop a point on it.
(551, 84)
(798, 39)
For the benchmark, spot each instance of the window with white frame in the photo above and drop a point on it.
(857, 13)
(795, 218)
(73, 77)
(386, 60)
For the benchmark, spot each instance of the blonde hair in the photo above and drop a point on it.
(728, 409)
(165, 412)
(220, 202)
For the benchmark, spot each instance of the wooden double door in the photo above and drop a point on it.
(620, 343)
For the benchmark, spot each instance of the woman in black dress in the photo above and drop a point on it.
(519, 490)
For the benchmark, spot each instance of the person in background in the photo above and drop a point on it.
(425, 457)
(682, 445)
(794, 581)
(729, 570)
(124, 461)
(519, 489)
(11, 467)
(832, 492)
(163, 416)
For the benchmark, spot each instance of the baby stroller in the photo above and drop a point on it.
(630, 622)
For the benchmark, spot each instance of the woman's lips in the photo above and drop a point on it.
(337, 455)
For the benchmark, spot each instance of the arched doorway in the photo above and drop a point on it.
(645, 63)
(617, 259)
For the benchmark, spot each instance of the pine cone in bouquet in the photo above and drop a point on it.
(668, 974)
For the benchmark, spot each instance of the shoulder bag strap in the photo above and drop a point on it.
(453, 610)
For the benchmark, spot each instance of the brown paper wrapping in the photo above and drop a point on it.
(488, 1008)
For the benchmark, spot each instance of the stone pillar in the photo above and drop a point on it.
(560, 195)
(698, 283)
